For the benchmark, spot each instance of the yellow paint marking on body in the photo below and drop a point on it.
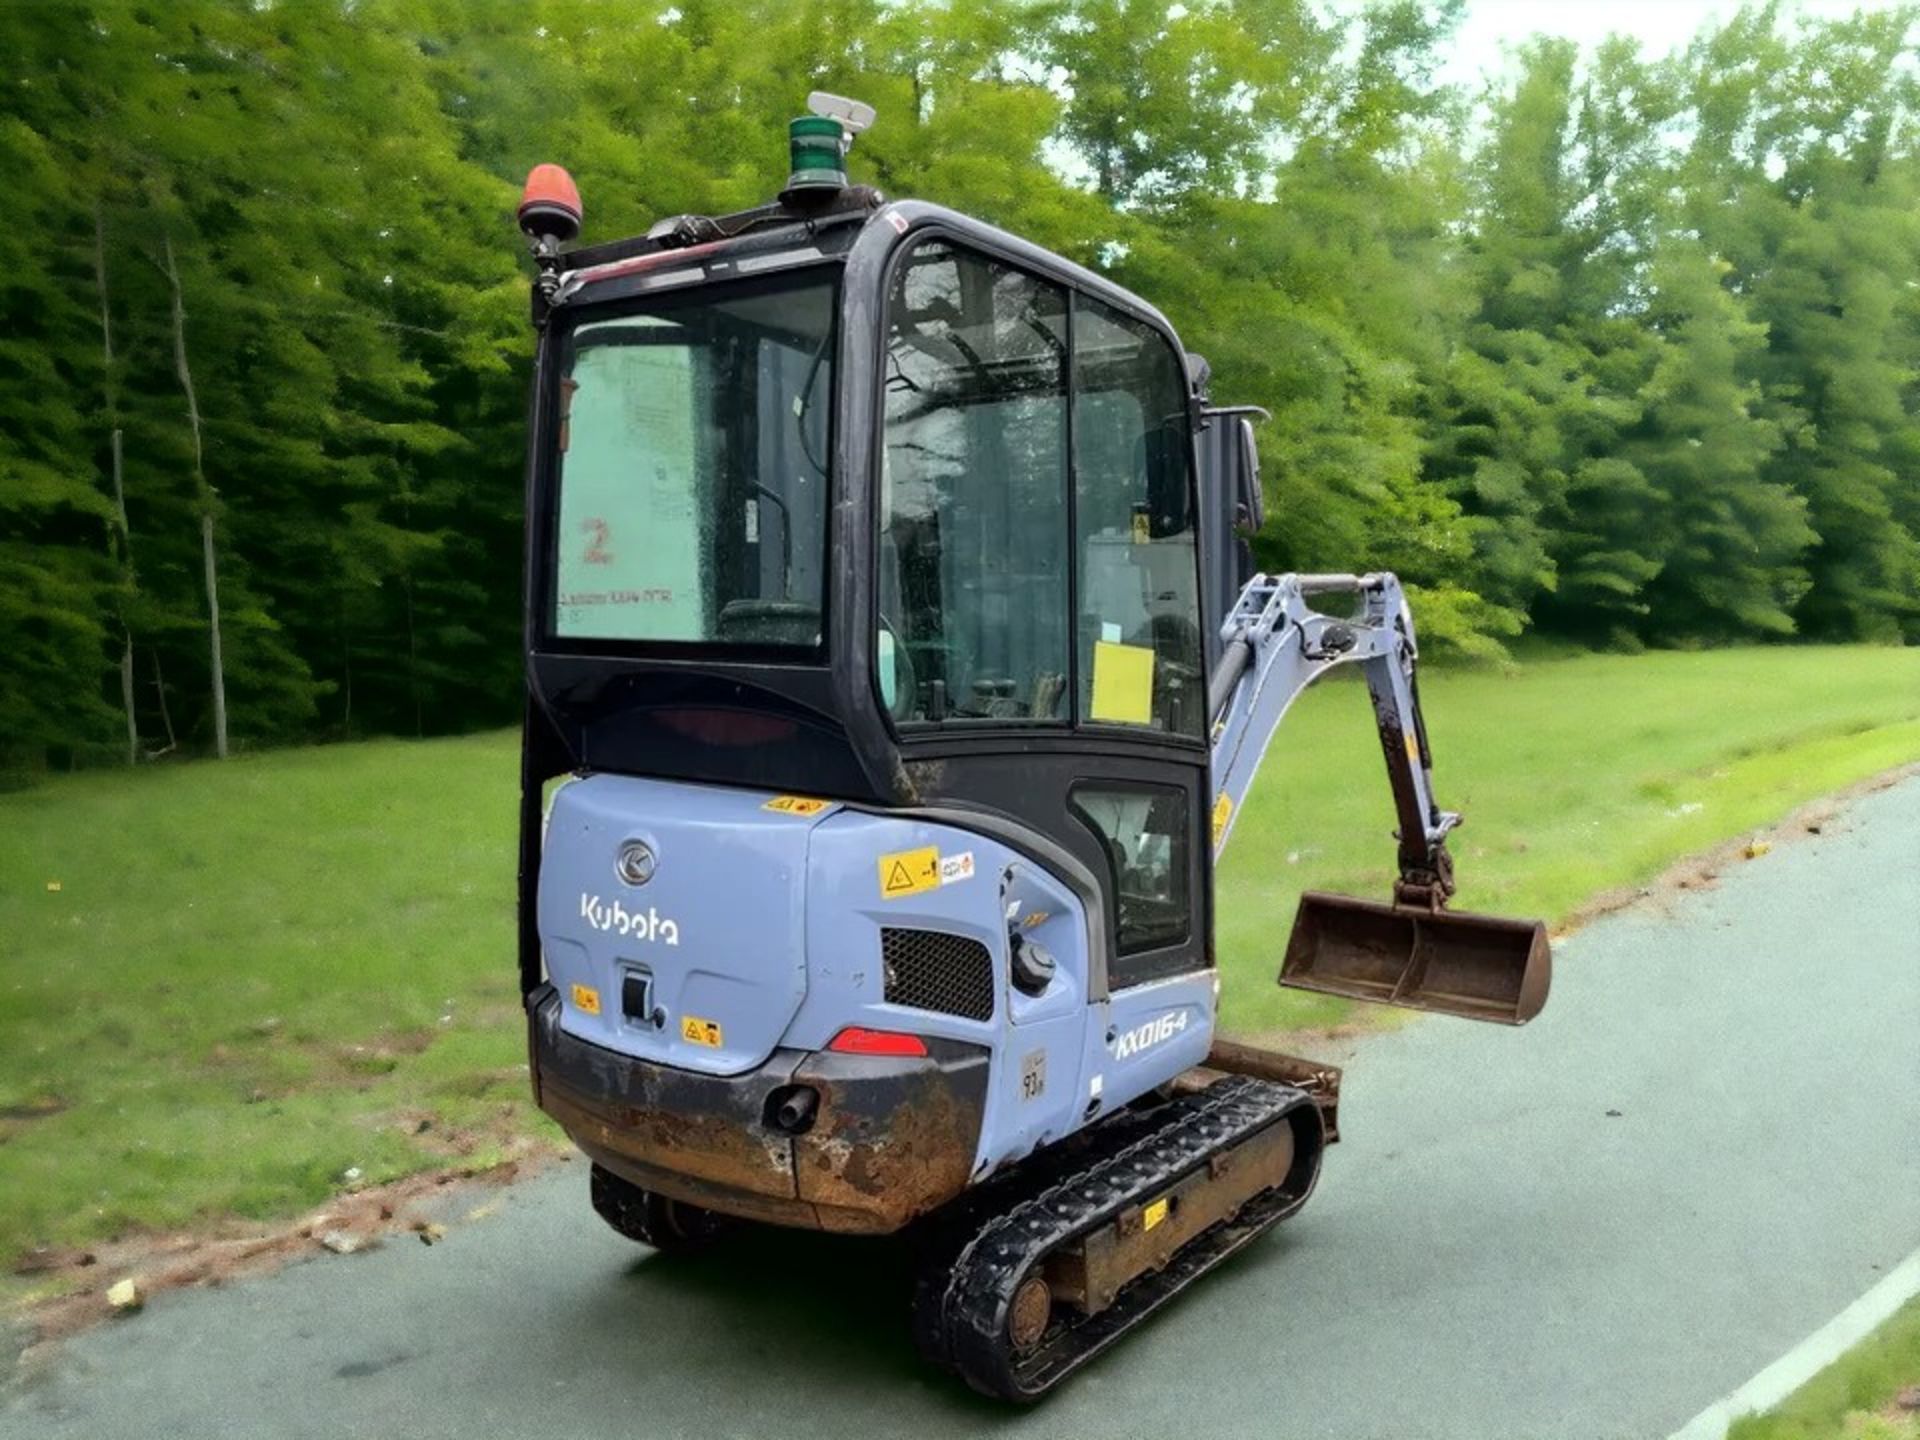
(696, 1031)
(795, 805)
(908, 872)
(1153, 1214)
(586, 999)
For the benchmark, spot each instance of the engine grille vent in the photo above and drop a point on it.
(930, 970)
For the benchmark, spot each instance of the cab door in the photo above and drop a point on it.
(1142, 666)
(1038, 639)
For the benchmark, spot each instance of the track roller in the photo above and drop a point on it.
(1051, 1279)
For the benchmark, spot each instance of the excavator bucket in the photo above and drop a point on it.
(1480, 967)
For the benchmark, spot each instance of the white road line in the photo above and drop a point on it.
(1810, 1356)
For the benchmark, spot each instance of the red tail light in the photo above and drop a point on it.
(855, 1040)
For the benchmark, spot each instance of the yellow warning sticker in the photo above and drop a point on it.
(1413, 748)
(908, 872)
(696, 1031)
(1222, 813)
(586, 999)
(795, 805)
(1153, 1214)
(1036, 919)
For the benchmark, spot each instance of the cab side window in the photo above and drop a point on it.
(1137, 636)
(1144, 829)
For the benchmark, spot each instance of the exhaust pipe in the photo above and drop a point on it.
(1479, 967)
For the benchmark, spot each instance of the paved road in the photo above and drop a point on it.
(1492, 1252)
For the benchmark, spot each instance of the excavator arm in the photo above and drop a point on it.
(1412, 952)
(1276, 646)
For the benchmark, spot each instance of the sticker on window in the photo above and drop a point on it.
(1122, 683)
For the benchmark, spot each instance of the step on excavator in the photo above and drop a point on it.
(896, 673)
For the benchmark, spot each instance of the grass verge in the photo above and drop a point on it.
(259, 982)
(1858, 1397)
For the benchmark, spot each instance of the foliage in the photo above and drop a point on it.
(1625, 350)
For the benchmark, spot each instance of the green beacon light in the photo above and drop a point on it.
(818, 143)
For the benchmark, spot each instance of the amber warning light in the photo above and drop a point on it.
(550, 205)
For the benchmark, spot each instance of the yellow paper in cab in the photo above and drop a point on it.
(1122, 683)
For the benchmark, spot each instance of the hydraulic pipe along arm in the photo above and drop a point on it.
(1277, 645)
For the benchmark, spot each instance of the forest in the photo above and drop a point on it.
(1622, 351)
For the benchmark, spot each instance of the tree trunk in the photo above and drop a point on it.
(124, 548)
(413, 659)
(166, 714)
(213, 634)
(207, 499)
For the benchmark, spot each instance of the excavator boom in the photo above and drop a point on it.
(1413, 952)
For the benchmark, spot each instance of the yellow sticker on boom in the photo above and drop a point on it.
(908, 872)
(795, 805)
(696, 1031)
(1222, 812)
(1153, 1214)
(586, 999)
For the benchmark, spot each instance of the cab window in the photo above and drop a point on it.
(973, 541)
(1144, 830)
(1138, 633)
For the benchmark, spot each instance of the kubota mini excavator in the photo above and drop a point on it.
(888, 616)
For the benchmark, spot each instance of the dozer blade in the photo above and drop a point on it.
(1479, 967)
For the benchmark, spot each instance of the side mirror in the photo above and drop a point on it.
(1251, 505)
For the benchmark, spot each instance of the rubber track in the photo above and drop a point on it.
(968, 1331)
(950, 1233)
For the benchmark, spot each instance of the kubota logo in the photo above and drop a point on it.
(616, 919)
(1144, 1037)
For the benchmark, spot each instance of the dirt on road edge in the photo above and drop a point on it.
(74, 1284)
(1701, 871)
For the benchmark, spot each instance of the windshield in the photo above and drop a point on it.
(693, 468)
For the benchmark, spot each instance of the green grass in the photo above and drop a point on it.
(258, 975)
(1853, 1398)
(253, 977)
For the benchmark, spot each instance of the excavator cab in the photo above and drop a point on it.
(876, 503)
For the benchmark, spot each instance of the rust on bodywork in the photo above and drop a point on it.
(703, 1127)
(718, 1151)
(892, 1139)
(1318, 1079)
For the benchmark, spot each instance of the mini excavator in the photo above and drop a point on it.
(896, 673)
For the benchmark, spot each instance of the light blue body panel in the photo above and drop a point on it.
(730, 882)
(776, 940)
